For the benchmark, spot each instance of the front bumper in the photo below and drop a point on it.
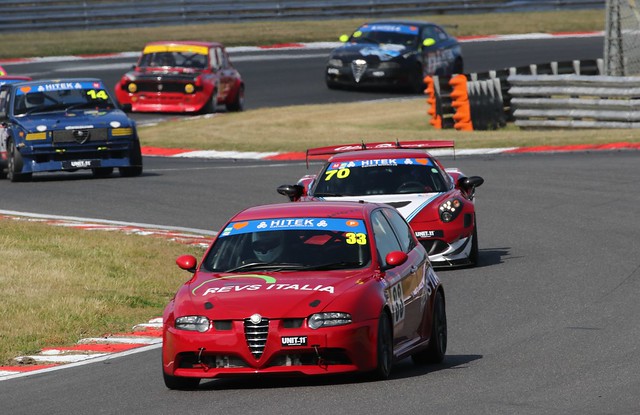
(450, 244)
(166, 102)
(225, 353)
(48, 158)
(371, 77)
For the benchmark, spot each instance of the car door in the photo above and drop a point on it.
(227, 74)
(4, 112)
(403, 281)
(437, 58)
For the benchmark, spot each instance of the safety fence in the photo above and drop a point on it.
(100, 14)
(568, 94)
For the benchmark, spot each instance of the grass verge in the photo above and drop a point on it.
(59, 43)
(59, 284)
(297, 128)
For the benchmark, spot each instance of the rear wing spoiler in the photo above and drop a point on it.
(321, 151)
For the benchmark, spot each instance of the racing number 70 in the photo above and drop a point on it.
(340, 174)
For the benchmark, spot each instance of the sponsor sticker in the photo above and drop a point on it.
(340, 225)
(429, 234)
(288, 341)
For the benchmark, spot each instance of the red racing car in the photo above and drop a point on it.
(305, 289)
(438, 203)
(181, 77)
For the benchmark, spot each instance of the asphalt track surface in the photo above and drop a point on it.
(547, 323)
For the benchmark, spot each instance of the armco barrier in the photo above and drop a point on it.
(575, 101)
(100, 14)
(491, 98)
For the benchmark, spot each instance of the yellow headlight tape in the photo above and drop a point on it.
(36, 136)
(121, 132)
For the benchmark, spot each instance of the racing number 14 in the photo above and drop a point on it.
(93, 94)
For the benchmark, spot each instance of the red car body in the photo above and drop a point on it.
(181, 77)
(356, 293)
(437, 202)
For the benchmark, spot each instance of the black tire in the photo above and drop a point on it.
(417, 81)
(458, 67)
(238, 103)
(211, 106)
(135, 158)
(474, 254)
(180, 383)
(14, 165)
(102, 172)
(437, 348)
(384, 348)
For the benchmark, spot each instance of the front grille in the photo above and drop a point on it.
(322, 357)
(358, 67)
(80, 135)
(256, 335)
(161, 87)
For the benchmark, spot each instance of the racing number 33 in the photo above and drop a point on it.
(397, 303)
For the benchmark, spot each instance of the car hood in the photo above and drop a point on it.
(60, 120)
(409, 205)
(271, 294)
(386, 52)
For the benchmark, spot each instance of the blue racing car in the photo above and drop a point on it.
(393, 54)
(65, 125)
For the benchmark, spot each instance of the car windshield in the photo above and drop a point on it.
(61, 97)
(295, 244)
(380, 177)
(174, 60)
(387, 34)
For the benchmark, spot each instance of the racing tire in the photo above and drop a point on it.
(211, 106)
(14, 165)
(458, 67)
(180, 383)
(332, 85)
(384, 348)
(135, 160)
(416, 83)
(100, 172)
(437, 348)
(474, 254)
(237, 104)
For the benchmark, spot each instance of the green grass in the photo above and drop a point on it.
(59, 284)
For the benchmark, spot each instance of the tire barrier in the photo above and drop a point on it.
(464, 102)
(485, 101)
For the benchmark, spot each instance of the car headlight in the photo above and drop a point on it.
(337, 63)
(132, 87)
(450, 209)
(318, 320)
(193, 323)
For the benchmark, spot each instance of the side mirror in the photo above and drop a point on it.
(470, 182)
(395, 258)
(187, 263)
(344, 38)
(428, 42)
(292, 191)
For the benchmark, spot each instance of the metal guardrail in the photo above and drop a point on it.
(37, 15)
(575, 101)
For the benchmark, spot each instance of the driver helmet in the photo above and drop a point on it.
(267, 246)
